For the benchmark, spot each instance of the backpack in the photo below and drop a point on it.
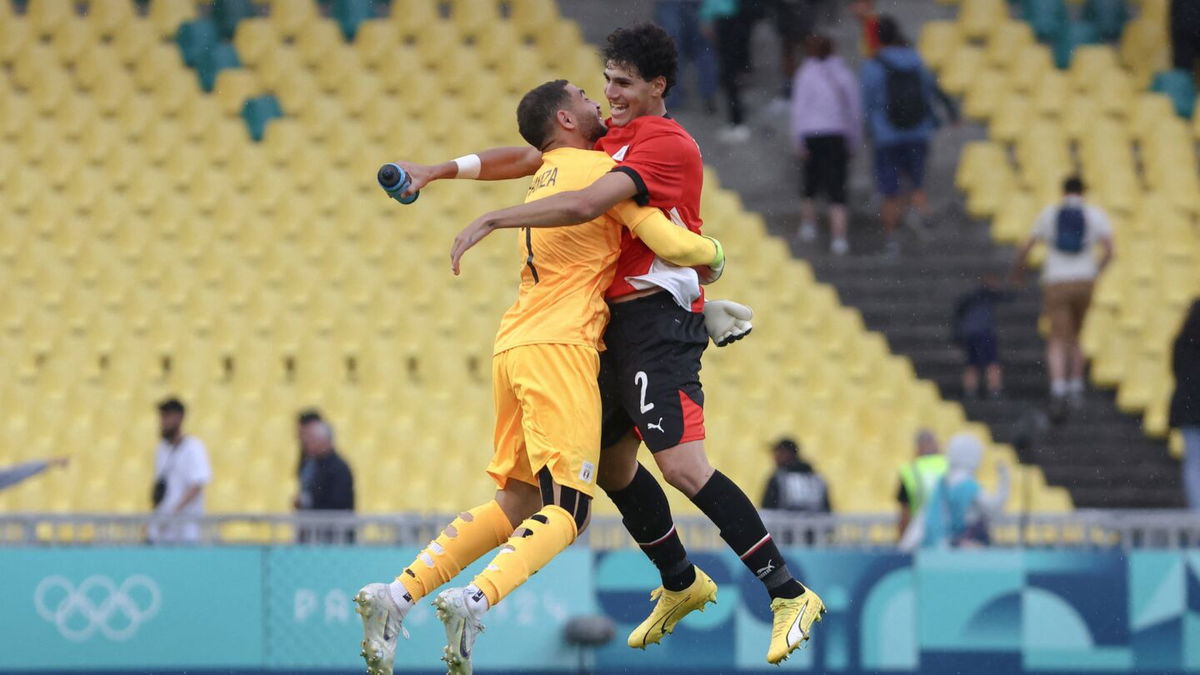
(906, 106)
(1069, 230)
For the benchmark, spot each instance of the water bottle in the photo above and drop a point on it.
(395, 180)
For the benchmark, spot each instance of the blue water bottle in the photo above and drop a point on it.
(395, 180)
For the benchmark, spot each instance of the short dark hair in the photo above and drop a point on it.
(1073, 185)
(889, 32)
(535, 112)
(308, 416)
(819, 46)
(171, 405)
(788, 445)
(647, 48)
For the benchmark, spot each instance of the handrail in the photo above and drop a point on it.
(1079, 529)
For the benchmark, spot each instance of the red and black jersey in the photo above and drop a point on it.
(664, 162)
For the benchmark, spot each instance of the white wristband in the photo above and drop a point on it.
(468, 166)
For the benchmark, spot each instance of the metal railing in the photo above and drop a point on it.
(1080, 529)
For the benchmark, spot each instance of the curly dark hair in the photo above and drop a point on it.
(645, 47)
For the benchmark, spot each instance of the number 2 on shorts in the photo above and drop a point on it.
(642, 380)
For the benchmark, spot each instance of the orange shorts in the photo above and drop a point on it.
(547, 415)
(1066, 305)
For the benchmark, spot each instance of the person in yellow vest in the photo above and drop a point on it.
(919, 477)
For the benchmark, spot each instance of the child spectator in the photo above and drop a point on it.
(975, 331)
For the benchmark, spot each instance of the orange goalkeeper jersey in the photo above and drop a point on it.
(565, 270)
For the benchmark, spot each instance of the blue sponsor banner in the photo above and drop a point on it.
(290, 609)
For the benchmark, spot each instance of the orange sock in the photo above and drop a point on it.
(467, 539)
(544, 535)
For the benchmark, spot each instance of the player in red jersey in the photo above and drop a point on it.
(650, 373)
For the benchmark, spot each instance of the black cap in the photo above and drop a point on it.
(171, 404)
(308, 416)
(1073, 185)
(787, 445)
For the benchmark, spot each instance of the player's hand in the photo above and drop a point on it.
(419, 176)
(471, 235)
(710, 273)
(727, 321)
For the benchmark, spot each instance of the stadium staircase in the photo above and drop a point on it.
(149, 245)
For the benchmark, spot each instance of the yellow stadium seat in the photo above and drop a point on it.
(47, 16)
(254, 40)
(166, 15)
(71, 39)
(985, 94)
(158, 63)
(232, 88)
(320, 40)
(978, 18)
(173, 95)
(1028, 66)
(533, 17)
(473, 18)
(960, 70)
(110, 19)
(1008, 39)
(15, 112)
(291, 18)
(1051, 94)
(412, 17)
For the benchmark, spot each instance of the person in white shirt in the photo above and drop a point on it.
(181, 472)
(1071, 231)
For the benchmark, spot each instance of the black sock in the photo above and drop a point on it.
(647, 516)
(742, 528)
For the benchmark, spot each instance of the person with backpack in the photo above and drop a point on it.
(898, 99)
(1071, 231)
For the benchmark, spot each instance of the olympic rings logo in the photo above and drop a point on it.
(98, 603)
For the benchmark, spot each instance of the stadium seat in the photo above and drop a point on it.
(1074, 34)
(257, 112)
(71, 37)
(1109, 17)
(350, 14)
(196, 39)
(221, 56)
(290, 17)
(110, 19)
(1048, 18)
(1180, 87)
(133, 40)
(166, 16)
(978, 18)
(45, 17)
(254, 40)
(533, 17)
(233, 87)
(226, 14)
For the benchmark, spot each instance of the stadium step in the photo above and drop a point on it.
(1101, 455)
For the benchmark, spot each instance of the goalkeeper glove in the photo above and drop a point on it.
(713, 271)
(727, 321)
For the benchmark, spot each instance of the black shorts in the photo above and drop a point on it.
(981, 350)
(650, 373)
(825, 167)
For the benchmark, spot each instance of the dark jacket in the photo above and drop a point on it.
(797, 487)
(330, 486)
(1185, 364)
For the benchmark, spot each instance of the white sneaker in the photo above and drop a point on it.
(461, 630)
(839, 246)
(382, 620)
(808, 232)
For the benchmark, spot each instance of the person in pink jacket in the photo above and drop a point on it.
(826, 129)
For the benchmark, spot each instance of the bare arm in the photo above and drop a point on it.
(1106, 254)
(565, 208)
(1018, 270)
(495, 164)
